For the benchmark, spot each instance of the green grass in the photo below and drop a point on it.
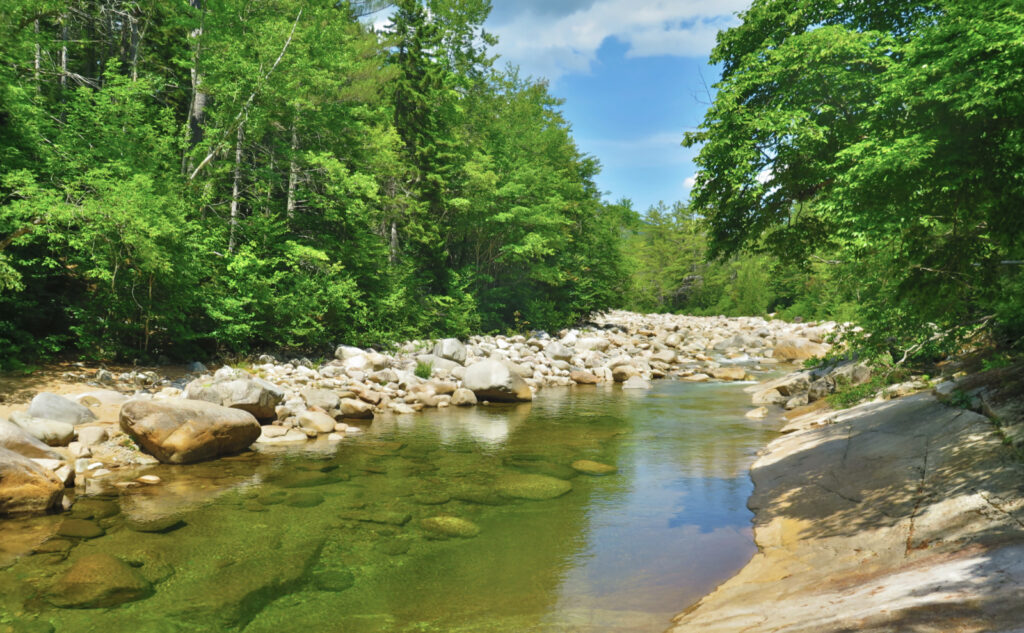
(424, 370)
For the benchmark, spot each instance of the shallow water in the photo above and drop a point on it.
(330, 537)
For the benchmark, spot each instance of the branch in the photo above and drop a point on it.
(248, 102)
(22, 231)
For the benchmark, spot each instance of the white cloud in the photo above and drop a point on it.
(690, 181)
(551, 45)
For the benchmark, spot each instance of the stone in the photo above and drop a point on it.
(588, 343)
(664, 356)
(531, 486)
(26, 487)
(797, 348)
(768, 396)
(155, 525)
(50, 432)
(797, 401)
(80, 528)
(150, 480)
(728, 373)
(92, 435)
(636, 382)
(436, 362)
(239, 390)
(622, 373)
(451, 349)
(323, 398)
(17, 439)
(344, 352)
(316, 421)
(494, 380)
(97, 581)
(463, 398)
(555, 350)
(353, 408)
(50, 406)
(581, 377)
(589, 467)
(697, 378)
(449, 526)
(195, 367)
(757, 414)
(186, 431)
(819, 389)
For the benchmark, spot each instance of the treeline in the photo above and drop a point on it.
(671, 271)
(208, 176)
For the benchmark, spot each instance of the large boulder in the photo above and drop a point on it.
(239, 390)
(494, 380)
(186, 431)
(50, 432)
(352, 408)
(50, 406)
(26, 487)
(591, 343)
(96, 581)
(17, 439)
(556, 351)
(451, 349)
(323, 398)
(796, 348)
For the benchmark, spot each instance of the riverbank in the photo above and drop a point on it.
(903, 515)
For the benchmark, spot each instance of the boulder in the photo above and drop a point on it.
(186, 431)
(757, 414)
(271, 434)
(728, 373)
(96, 581)
(451, 349)
(768, 396)
(50, 406)
(494, 380)
(344, 352)
(531, 486)
(436, 362)
(17, 439)
(239, 390)
(463, 398)
(50, 432)
(323, 398)
(27, 487)
(92, 435)
(797, 348)
(636, 382)
(581, 377)
(316, 421)
(622, 373)
(352, 408)
(588, 343)
(556, 351)
(697, 378)
(450, 526)
(590, 467)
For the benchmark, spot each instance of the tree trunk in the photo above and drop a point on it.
(197, 105)
(293, 170)
(236, 186)
(36, 63)
(63, 52)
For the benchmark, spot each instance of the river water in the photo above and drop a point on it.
(333, 537)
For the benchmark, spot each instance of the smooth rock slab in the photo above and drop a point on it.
(17, 439)
(187, 431)
(98, 580)
(450, 527)
(50, 406)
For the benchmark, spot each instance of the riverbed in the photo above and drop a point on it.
(329, 536)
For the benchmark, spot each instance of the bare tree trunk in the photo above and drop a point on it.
(136, 42)
(293, 169)
(236, 186)
(393, 250)
(38, 56)
(197, 105)
(63, 52)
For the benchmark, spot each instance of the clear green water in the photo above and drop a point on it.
(331, 539)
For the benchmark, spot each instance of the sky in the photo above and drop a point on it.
(634, 75)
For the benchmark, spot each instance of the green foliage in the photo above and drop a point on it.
(847, 395)
(884, 135)
(423, 370)
(201, 178)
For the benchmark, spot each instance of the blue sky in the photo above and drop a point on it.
(635, 77)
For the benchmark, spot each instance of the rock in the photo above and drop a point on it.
(697, 378)
(581, 377)
(80, 528)
(531, 486)
(27, 487)
(92, 435)
(768, 396)
(150, 480)
(665, 356)
(50, 406)
(795, 348)
(316, 421)
(154, 525)
(352, 408)
(622, 373)
(323, 398)
(797, 401)
(98, 580)
(101, 397)
(186, 431)
(463, 397)
(496, 381)
(238, 390)
(556, 351)
(728, 373)
(17, 439)
(437, 363)
(344, 352)
(819, 389)
(450, 527)
(636, 382)
(588, 343)
(757, 414)
(50, 432)
(588, 467)
(451, 349)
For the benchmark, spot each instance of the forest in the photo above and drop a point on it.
(208, 177)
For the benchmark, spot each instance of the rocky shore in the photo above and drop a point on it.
(895, 515)
(122, 423)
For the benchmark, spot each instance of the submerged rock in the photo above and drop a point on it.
(98, 580)
(80, 528)
(450, 527)
(589, 467)
(531, 486)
